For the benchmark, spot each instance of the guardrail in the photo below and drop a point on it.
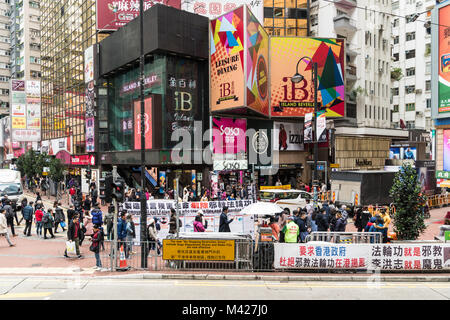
(438, 200)
(345, 237)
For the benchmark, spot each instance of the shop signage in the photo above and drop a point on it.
(229, 136)
(363, 162)
(113, 14)
(239, 42)
(444, 60)
(308, 134)
(201, 249)
(297, 99)
(425, 164)
(149, 82)
(89, 64)
(213, 8)
(283, 187)
(386, 257)
(288, 136)
(229, 165)
(442, 174)
(83, 160)
(321, 128)
(334, 165)
(446, 147)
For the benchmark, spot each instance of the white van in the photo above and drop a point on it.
(11, 185)
(292, 199)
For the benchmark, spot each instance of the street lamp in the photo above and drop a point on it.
(297, 78)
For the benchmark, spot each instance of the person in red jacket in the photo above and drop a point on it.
(38, 216)
(282, 138)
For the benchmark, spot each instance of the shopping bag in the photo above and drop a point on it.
(70, 246)
(62, 224)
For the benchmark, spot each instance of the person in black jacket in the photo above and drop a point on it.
(70, 213)
(224, 224)
(73, 234)
(322, 221)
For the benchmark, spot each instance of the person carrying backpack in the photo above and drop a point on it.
(9, 216)
(97, 215)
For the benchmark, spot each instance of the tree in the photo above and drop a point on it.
(32, 163)
(56, 170)
(409, 202)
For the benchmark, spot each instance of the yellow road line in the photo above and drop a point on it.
(26, 295)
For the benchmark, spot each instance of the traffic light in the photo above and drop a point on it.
(88, 174)
(106, 185)
(119, 190)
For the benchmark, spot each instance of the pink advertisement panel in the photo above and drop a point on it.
(229, 135)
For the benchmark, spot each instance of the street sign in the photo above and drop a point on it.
(334, 165)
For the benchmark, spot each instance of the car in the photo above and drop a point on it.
(291, 199)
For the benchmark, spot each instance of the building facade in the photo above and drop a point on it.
(68, 28)
(286, 17)
(411, 66)
(5, 55)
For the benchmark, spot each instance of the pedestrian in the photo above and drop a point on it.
(173, 222)
(311, 220)
(333, 220)
(87, 204)
(70, 213)
(38, 197)
(109, 222)
(275, 228)
(4, 227)
(27, 213)
(122, 230)
(73, 234)
(97, 215)
(72, 193)
(48, 223)
(322, 221)
(302, 225)
(224, 223)
(198, 225)
(38, 214)
(88, 224)
(23, 204)
(291, 231)
(60, 219)
(95, 246)
(9, 216)
(386, 220)
(131, 234)
(152, 234)
(94, 194)
(282, 219)
(341, 222)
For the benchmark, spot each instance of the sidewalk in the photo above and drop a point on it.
(36, 256)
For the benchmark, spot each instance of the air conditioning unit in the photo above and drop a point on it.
(418, 90)
(419, 113)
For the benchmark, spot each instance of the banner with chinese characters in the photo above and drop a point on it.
(113, 14)
(25, 111)
(160, 209)
(213, 8)
(382, 257)
(444, 60)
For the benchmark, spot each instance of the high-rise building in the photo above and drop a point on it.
(362, 139)
(286, 17)
(411, 66)
(68, 28)
(25, 40)
(5, 55)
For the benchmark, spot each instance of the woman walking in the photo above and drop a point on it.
(48, 223)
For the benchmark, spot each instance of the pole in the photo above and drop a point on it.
(315, 138)
(114, 248)
(142, 195)
(176, 209)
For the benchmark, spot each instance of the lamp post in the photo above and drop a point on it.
(297, 78)
(143, 221)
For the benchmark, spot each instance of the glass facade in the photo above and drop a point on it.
(68, 28)
(181, 84)
(286, 17)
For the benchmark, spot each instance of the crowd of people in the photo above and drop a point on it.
(296, 226)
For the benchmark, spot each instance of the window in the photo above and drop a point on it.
(395, 91)
(410, 89)
(396, 39)
(428, 68)
(410, 72)
(396, 57)
(410, 106)
(428, 85)
(410, 54)
(395, 107)
(428, 103)
(410, 36)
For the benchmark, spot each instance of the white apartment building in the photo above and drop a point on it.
(366, 26)
(411, 52)
(25, 39)
(5, 55)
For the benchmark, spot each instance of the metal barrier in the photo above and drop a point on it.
(345, 237)
(438, 200)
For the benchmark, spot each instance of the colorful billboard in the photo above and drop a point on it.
(290, 99)
(257, 65)
(444, 60)
(113, 14)
(229, 136)
(447, 150)
(213, 8)
(148, 124)
(288, 136)
(227, 61)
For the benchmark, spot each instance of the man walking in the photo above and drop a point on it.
(4, 227)
(27, 213)
(9, 216)
(73, 234)
(224, 225)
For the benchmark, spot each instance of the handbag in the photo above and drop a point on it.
(92, 248)
(62, 224)
(70, 247)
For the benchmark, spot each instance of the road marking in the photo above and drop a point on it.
(46, 271)
(26, 295)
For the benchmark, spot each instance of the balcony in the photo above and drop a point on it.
(350, 75)
(347, 4)
(343, 24)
